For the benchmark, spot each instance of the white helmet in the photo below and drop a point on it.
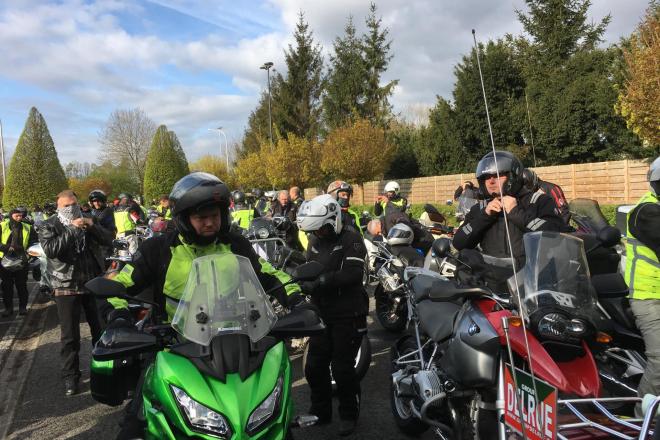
(321, 210)
(392, 186)
(400, 234)
(654, 176)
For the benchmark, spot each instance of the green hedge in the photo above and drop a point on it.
(609, 211)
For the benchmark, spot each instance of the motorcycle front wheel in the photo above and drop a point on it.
(391, 318)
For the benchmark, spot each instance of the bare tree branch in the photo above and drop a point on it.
(127, 137)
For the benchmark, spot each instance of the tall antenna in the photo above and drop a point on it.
(510, 245)
(531, 134)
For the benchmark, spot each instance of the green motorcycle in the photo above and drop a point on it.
(220, 370)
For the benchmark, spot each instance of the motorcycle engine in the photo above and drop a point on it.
(427, 384)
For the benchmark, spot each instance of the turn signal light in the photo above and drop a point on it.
(603, 338)
(515, 321)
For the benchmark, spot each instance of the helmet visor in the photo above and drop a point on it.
(488, 166)
(187, 183)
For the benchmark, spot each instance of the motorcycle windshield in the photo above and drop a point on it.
(465, 204)
(556, 274)
(588, 215)
(223, 296)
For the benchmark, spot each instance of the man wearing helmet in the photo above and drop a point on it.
(103, 214)
(261, 203)
(643, 276)
(202, 223)
(342, 193)
(127, 214)
(344, 305)
(163, 210)
(526, 211)
(392, 200)
(241, 213)
(100, 209)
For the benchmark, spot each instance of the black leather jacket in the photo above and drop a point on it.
(341, 295)
(74, 255)
(534, 212)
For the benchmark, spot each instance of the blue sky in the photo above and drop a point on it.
(193, 64)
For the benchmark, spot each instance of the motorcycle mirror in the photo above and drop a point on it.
(430, 209)
(299, 323)
(308, 271)
(609, 236)
(441, 247)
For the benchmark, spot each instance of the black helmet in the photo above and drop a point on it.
(506, 163)
(21, 210)
(50, 207)
(258, 193)
(530, 180)
(97, 194)
(195, 191)
(238, 197)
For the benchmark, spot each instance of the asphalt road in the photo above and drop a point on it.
(41, 411)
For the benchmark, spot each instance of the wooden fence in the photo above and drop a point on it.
(617, 182)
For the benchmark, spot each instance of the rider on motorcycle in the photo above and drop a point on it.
(643, 276)
(241, 213)
(344, 305)
(163, 210)
(534, 184)
(392, 200)
(261, 203)
(202, 221)
(342, 193)
(527, 212)
(127, 214)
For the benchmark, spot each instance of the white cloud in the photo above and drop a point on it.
(80, 63)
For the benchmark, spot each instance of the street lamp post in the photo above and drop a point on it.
(221, 131)
(266, 67)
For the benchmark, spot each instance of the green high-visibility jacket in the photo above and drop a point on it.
(6, 232)
(164, 263)
(642, 266)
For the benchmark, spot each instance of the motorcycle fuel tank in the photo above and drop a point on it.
(472, 354)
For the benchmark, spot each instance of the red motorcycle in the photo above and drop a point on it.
(450, 374)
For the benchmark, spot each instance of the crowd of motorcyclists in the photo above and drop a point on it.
(201, 217)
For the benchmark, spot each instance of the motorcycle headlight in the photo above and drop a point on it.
(200, 417)
(266, 409)
(558, 327)
(262, 233)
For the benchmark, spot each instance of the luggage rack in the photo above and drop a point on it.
(602, 423)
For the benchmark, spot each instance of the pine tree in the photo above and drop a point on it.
(181, 155)
(256, 132)
(346, 80)
(570, 85)
(35, 174)
(164, 165)
(505, 86)
(297, 109)
(376, 48)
